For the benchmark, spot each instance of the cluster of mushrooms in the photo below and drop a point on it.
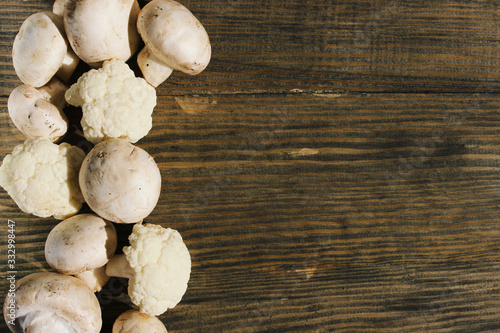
(119, 181)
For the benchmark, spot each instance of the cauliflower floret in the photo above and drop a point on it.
(115, 103)
(42, 178)
(162, 266)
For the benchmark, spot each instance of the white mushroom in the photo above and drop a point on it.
(175, 40)
(100, 30)
(51, 302)
(38, 113)
(80, 244)
(40, 49)
(133, 321)
(120, 182)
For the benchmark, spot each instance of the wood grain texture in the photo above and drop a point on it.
(335, 168)
(360, 45)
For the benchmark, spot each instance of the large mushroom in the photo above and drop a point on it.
(37, 113)
(119, 181)
(81, 245)
(175, 40)
(100, 30)
(51, 302)
(133, 321)
(40, 50)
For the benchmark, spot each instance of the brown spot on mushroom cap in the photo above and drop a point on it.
(61, 296)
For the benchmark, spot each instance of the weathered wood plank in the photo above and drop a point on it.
(334, 169)
(349, 45)
(315, 46)
(352, 212)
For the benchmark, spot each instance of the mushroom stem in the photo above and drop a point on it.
(118, 266)
(95, 279)
(54, 92)
(58, 7)
(153, 69)
(68, 65)
(41, 321)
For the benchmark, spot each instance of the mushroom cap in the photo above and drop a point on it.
(80, 243)
(34, 115)
(39, 48)
(100, 30)
(119, 181)
(133, 321)
(175, 36)
(54, 298)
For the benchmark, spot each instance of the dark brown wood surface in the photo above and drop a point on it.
(334, 169)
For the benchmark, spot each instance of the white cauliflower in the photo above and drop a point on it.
(158, 264)
(162, 267)
(115, 103)
(42, 178)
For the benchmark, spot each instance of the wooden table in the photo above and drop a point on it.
(334, 169)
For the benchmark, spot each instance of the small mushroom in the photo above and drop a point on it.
(119, 181)
(40, 50)
(51, 302)
(133, 321)
(100, 30)
(38, 113)
(175, 40)
(81, 245)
